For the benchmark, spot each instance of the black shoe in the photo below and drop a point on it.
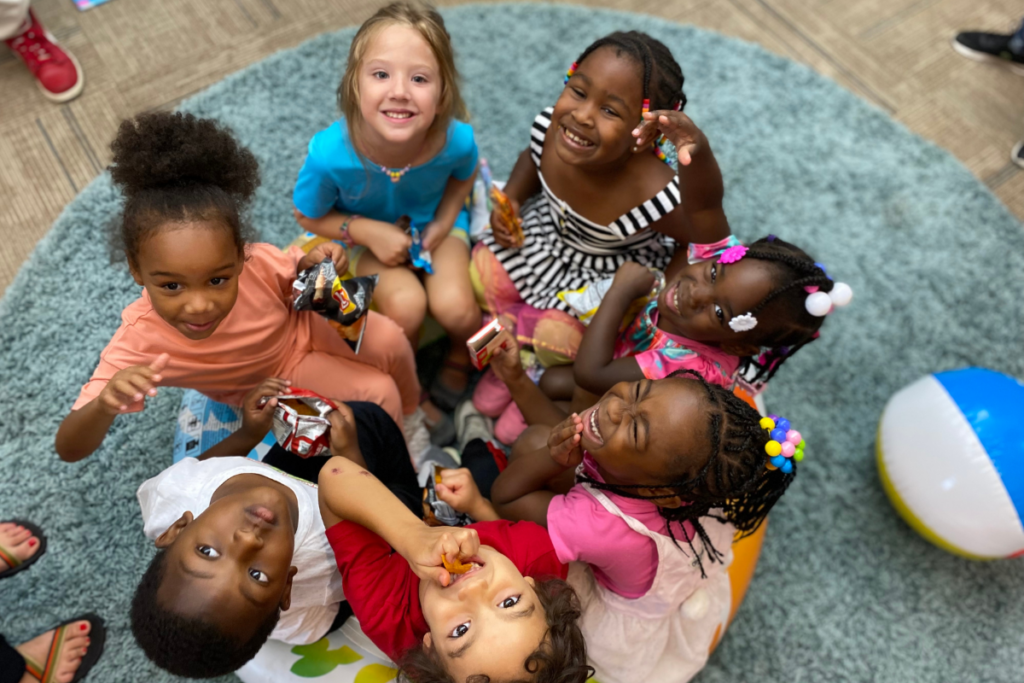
(1017, 154)
(989, 47)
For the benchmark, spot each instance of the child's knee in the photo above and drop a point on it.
(456, 310)
(407, 307)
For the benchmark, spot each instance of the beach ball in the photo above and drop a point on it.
(951, 458)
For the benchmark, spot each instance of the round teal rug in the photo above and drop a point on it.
(845, 591)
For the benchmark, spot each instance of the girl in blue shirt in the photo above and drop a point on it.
(401, 149)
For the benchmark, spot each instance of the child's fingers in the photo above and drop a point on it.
(160, 363)
(126, 392)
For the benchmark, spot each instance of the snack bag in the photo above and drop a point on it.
(502, 204)
(436, 512)
(300, 422)
(587, 299)
(483, 344)
(344, 303)
(418, 256)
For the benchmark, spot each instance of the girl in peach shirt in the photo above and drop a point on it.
(215, 314)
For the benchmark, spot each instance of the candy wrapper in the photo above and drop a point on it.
(436, 512)
(587, 299)
(300, 422)
(502, 205)
(484, 343)
(418, 256)
(344, 303)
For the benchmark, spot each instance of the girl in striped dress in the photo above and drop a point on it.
(591, 198)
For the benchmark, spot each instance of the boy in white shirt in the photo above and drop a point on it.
(243, 553)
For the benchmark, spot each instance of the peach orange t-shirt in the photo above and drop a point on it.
(259, 338)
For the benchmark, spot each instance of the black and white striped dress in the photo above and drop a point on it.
(563, 250)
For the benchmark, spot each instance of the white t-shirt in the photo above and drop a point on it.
(316, 588)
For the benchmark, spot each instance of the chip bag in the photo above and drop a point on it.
(436, 512)
(344, 303)
(300, 422)
(418, 256)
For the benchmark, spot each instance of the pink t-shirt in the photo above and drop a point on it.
(258, 338)
(659, 353)
(622, 560)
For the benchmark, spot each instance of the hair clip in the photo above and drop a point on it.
(679, 105)
(570, 72)
(820, 304)
(732, 254)
(785, 446)
(771, 238)
(742, 323)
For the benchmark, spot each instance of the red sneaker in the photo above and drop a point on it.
(57, 72)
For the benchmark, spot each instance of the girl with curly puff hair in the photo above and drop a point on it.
(215, 313)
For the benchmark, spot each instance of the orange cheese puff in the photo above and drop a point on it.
(509, 214)
(455, 567)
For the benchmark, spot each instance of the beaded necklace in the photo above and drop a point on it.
(395, 174)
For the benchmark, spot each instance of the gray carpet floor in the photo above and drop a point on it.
(845, 591)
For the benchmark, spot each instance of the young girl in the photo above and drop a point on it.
(732, 311)
(668, 471)
(399, 151)
(511, 617)
(592, 197)
(215, 314)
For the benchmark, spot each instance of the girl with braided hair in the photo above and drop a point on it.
(733, 314)
(591, 198)
(668, 472)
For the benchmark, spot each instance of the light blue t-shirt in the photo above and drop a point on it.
(335, 177)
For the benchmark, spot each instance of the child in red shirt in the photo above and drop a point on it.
(510, 617)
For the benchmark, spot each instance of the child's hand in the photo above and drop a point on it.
(458, 489)
(132, 385)
(434, 234)
(389, 243)
(633, 280)
(503, 231)
(679, 128)
(506, 363)
(256, 419)
(564, 442)
(343, 432)
(332, 250)
(431, 543)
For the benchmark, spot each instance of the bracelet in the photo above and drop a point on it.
(345, 237)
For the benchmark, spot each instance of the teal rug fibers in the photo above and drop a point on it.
(845, 591)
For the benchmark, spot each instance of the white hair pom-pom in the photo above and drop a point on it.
(742, 323)
(818, 304)
(841, 294)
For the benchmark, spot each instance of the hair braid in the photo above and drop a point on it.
(794, 270)
(662, 76)
(734, 478)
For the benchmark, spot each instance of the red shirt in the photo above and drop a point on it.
(384, 592)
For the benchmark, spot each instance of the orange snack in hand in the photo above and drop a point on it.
(504, 206)
(455, 567)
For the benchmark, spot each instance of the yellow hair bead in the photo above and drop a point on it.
(767, 423)
(773, 448)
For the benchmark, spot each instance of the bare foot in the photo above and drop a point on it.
(68, 657)
(19, 541)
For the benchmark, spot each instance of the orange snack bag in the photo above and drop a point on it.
(504, 207)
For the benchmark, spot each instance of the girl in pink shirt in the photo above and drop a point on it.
(667, 471)
(732, 314)
(215, 312)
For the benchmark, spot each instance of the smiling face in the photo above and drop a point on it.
(231, 565)
(651, 432)
(598, 110)
(190, 271)
(699, 303)
(487, 621)
(399, 86)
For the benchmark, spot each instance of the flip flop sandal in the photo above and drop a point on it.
(14, 565)
(47, 673)
(444, 396)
